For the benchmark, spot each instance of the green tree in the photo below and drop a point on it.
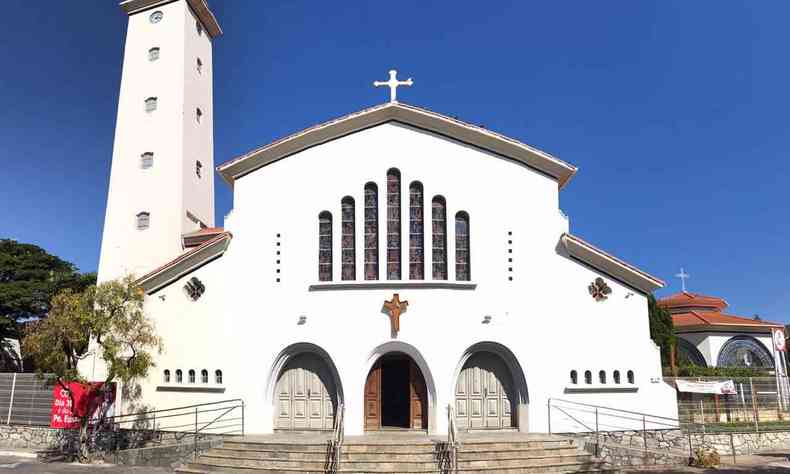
(106, 320)
(662, 330)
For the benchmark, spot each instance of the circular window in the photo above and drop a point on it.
(156, 16)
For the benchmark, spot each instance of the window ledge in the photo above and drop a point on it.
(598, 388)
(392, 284)
(190, 388)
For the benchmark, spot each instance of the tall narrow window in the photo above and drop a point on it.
(393, 224)
(371, 232)
(416, 232)
(616, 376)
(325, 246)
(191, 376)
(179, 376)
(166, 376)
(439, 235)
(153, 54)
(630, 376)
(198, 115)
(574, 377)
(146, 160)
(143, 220)
(348, 245)
(602, 377)
(204, 376)
(462, 267)
(587, 377)
(218, 377)
(150, 104)
(199, 66)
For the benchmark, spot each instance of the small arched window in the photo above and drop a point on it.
(348, 252)
(199, 27)
(393, 225)
(179, 376)
(416, 232)
(587, 377)
(371, 231)
(199, 66)
(616, 376)
(204, 376)
(153, 54)
(143, 220)
(574, 377)
(218, 377)
(630, 376)
(198, 114)
(462, 268)
(151, 104)
(146, 160)
(439, 237)
(325, 246)
(191, 376)
(602, 377)
(198, 168)
(166, 376)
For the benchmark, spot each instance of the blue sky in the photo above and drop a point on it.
(675, 112)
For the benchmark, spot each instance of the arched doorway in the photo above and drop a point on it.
(490, 389)
(306, 390)
(395, 394)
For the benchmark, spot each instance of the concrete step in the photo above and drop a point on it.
(526, 461)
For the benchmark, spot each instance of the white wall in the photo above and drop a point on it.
(545, 316)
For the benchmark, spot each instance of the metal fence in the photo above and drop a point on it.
(760, 403)
(24, 399)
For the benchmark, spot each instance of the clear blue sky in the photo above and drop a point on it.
(675, 112)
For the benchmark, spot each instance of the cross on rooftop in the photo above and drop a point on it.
(683, 277)
(393, 84)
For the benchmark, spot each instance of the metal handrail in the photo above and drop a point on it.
(452, 439)
(185, 407)
(335, 447)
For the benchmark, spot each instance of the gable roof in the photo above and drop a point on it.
(685, 299)
(609, 264)
(403, 113)
(710, 319)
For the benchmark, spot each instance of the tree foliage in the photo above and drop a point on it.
(29, 279)
(108, 321)
(662, 331)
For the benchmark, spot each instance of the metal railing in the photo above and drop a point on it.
(335, 448)
(198, 421)
(452, 439)
(595, 419)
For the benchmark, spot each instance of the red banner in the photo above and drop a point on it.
(88, 399)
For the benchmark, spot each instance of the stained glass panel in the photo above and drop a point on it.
(416, 230)
(325, 246)
(348, 269)
(371, 232)
(462, 267)
(393, 225)
(439, 238)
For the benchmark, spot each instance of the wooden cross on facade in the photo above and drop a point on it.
(395, 307)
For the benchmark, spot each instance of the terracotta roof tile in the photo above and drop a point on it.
(713, 318)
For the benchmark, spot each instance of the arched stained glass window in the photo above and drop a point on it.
(325, 246)
(744, 351)
(602, 377)
(347, 244)
(371, 231)
(393, 225)
(616, 376)
(574, 377)
(688, 354)
(439, 237)
(587, 377)
(416, 232)
(462, 268)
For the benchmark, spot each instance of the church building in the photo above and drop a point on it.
(390, 263)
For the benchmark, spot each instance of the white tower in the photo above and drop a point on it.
(162, 175)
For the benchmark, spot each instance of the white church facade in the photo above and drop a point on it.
(393, 262)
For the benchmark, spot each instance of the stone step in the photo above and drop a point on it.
(590, 468)
(380, 455)
(526, 461)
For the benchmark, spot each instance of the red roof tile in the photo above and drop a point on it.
(713, 318)
(686, 299)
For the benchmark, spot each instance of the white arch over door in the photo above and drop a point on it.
(520, 395)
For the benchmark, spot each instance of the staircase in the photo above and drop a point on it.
(479, 453)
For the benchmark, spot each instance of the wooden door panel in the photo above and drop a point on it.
(418, 406)
(373, 398)
(487, 393)
(304, 397)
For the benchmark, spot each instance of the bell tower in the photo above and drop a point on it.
(162, 173)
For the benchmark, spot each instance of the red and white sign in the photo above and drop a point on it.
(779, 340)
(88, 398)
(726, 387)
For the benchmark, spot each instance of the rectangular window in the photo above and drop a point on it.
(146, 160)
(153, 54)
(150, 104)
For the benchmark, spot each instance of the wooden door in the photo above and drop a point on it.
(373, 398)
(483, 393)
(305, 392)
(418, 405)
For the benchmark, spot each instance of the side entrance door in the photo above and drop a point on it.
(305, 395)
(483, 393)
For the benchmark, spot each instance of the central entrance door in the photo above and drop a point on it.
(395, 396)
(305, 395)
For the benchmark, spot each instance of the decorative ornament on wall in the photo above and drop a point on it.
(194, 288)
(599, 290)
